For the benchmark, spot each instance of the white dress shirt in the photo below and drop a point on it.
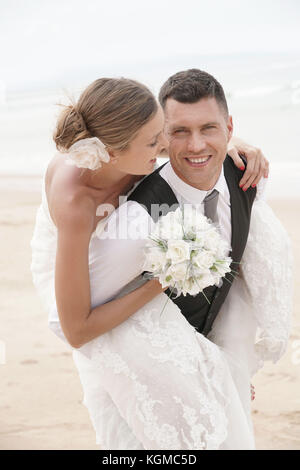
(187, 194)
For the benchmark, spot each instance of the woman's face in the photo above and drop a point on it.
(140, 157)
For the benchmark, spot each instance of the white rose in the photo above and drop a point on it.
(172, 232)
(205, 280)
(88, 153)
(177, 214)
(178, 272)
(165, 280)
(200, 238)
(169, 227)
(155, 259)
(212, 240)
(192, 287)
(178, 251)
(204, 259)
(194, 219)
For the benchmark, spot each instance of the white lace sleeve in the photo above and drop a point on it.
(267, 271)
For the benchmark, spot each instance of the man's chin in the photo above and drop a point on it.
(203, 178)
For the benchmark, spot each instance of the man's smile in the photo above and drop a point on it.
(198, 162)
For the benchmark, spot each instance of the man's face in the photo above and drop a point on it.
(198, 134)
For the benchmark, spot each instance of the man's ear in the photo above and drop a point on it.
(229, 127)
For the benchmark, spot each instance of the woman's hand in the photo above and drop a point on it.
(257, 164)
(156, 286)
(252, 390)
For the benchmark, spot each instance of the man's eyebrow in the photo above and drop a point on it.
(212, 123)
(207, 124)
(177, 127)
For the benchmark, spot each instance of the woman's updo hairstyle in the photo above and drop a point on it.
(112, 109)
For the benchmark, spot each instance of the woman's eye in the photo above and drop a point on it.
(154, 144)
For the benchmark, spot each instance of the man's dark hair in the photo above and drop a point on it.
(190, 86)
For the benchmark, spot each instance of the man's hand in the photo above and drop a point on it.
(257, 164)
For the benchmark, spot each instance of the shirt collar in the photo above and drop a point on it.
(188, 192)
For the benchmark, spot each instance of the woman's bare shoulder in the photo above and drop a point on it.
(68, 199)
(60, 174)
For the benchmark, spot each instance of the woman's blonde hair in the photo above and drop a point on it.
(112, 109)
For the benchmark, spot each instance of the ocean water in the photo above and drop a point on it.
(263, 98)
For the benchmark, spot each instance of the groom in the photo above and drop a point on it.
(199, 127)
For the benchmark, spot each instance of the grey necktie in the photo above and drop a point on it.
(210, 205)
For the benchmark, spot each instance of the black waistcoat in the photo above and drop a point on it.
(155, 190)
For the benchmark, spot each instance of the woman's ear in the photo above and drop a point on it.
(113, 158)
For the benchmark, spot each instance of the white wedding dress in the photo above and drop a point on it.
(154, 382)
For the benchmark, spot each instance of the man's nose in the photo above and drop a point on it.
(196, 143)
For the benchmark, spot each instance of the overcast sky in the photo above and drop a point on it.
(41, 40)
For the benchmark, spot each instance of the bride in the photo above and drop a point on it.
(191, 399)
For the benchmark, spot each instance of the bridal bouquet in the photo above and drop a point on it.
(186, 252)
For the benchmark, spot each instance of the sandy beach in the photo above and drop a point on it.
(41, 397)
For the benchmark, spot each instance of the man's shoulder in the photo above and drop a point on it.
(230, 166)
(153, 190)
(233, 176)
(148, 181)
